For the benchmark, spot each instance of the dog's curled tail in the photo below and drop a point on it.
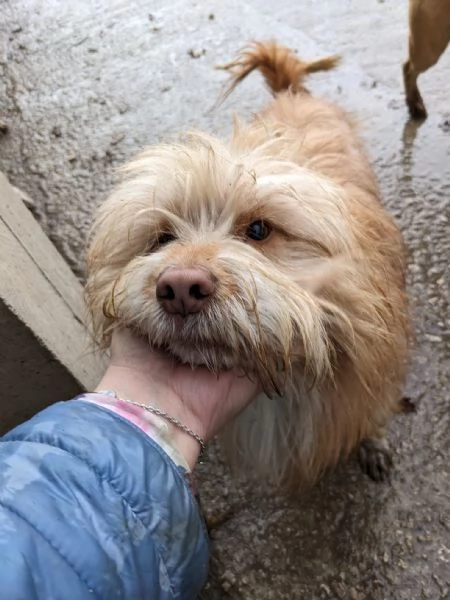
(280, 66)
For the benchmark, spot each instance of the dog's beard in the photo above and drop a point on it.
(260, 322)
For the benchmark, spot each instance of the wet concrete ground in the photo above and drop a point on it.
(84, 84)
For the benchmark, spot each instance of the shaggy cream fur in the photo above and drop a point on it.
(316, 308)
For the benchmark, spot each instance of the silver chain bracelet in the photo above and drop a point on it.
(161, 413)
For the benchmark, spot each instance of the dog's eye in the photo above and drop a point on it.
(165, 238)
(258, 231)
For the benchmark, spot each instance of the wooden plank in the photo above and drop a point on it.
(44, 347)
(26, 229)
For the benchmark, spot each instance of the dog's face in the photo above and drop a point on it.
(222, 259)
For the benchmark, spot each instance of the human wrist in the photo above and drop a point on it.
(136, 387)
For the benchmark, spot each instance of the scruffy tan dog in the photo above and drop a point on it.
(269, 252)
(429, 35)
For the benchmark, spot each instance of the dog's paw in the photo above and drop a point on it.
(375, 458)
(417, 110)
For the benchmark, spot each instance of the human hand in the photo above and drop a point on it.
(203, 401)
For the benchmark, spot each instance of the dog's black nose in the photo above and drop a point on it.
(184, 291)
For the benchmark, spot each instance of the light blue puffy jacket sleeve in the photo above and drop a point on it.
(92, 508)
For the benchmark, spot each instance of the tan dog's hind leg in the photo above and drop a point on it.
(429, 34)
(414, 100)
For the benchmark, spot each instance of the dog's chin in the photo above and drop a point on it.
(193, 344)
(211, 355)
